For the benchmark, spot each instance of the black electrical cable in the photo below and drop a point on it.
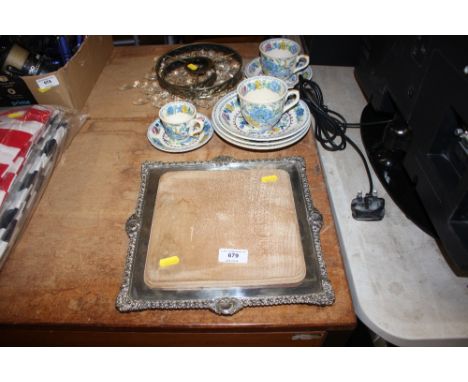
(330, 126)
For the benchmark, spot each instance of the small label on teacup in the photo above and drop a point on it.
(233, 256)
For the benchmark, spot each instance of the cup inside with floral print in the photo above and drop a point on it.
(180, 120)
(264, 99)
(280, 57)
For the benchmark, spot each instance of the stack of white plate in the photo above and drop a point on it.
(230, 125)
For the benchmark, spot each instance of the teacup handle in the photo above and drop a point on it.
(290, 104)
(196, 127)
(302, 66)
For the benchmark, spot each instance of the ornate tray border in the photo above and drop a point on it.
(125, 302)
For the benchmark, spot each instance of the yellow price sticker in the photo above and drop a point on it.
(18, 114)
(269, 179)
(169, 261)
(43, 90)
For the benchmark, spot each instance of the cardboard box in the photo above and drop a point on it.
(69, 86)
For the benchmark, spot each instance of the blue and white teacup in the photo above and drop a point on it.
(179, 120)
(280, 57)
(264, 99)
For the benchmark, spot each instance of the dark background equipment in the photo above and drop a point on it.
(421, 157)
(417, 87)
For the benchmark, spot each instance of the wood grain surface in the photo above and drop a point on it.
(198, 212)
(66, 270)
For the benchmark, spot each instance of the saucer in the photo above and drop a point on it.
(231, 126)
(159, 139)
(260, 146)
(253, 68)
(228, 117)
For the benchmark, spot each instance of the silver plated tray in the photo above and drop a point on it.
(136, 295)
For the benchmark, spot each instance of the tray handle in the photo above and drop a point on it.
(132, 225)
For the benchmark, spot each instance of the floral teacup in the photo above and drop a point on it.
(264, 99)
(179, 120)
(280, 58)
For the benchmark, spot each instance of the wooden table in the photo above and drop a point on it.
(60, 283)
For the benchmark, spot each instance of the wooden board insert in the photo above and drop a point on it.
(198, 212)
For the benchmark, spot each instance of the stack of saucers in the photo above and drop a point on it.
(230, 125)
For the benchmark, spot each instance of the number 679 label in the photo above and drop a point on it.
(233, 256)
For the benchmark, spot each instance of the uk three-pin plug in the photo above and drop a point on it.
(368, 208)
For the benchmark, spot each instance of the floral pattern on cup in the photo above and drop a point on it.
(260, 83)
(230, 114)
(179, 120)
(287, 64)
(253, 68)
(157, 136)
(264, 113)
(262, 116)
(281, 44)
